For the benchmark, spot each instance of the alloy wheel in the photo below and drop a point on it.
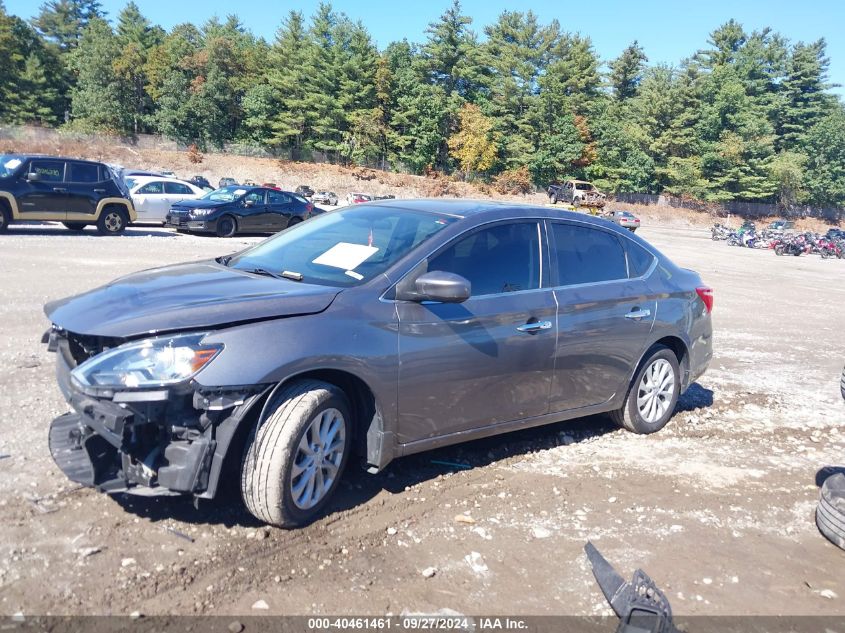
(318, 458)
(655, 391)
(113, 222)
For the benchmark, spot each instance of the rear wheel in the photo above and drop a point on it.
(5, 218)
(293, 461)
(226, 226)
(75, 226)
(112, 221)
(653, 394)
(778, 250)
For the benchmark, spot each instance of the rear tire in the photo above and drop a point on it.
(830, 513)
(653, 394)
(75, 226)
(112, 221)
(5, 218)
(293, 461)
(227, 226)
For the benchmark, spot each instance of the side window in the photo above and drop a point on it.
(277, 197)
(177, 188)
(49, 170)
(257, 197)
(639, 259)
(502, 258)
(83, 172)
(152, 187)
(586, 255)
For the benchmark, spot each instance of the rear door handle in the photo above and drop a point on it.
(59, 189)
(531, 328)
(99, 190)
(637, 314)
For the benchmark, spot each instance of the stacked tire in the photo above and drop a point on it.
(842, 384)
(830, 513)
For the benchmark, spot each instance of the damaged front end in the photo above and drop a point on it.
(140, 424)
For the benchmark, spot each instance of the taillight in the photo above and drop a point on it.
(706, 295)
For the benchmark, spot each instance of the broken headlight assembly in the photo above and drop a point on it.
(149, 363)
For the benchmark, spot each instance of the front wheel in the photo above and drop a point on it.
(112, 221)
(653, 394)
(5, 218)
(226, 226)
(293, 460)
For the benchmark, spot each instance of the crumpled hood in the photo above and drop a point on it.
(183, 297)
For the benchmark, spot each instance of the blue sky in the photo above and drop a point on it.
(667, 30)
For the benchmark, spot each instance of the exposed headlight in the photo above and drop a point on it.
(199, 213)
(154, 362)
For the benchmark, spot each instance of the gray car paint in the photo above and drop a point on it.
(439, 373)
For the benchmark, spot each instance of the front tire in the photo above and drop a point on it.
(651, 399)
(293, 460)
(5, 218)
(112, 221)
(75, 226)
(227, 226)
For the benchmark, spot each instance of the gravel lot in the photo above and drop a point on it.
(718, 508)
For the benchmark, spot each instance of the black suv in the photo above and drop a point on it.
(74, 192)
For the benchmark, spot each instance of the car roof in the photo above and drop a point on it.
(467, 207)
(48, 156)
(145, 179)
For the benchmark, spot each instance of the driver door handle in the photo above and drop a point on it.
(637, 314)
(60, 189)
(531, 328)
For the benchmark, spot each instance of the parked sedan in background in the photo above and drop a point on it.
(153, 196)
(358, 198)
(237, 209)
(625, 219)
(363, 335)
(325, 197)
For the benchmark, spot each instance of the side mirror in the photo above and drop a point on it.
(249, 203)
(442, 287)
(33, 176)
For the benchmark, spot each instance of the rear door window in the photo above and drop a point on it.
(177, 188)
(83, 173)
(277, 197)
(499, 259)
(586, 255)
(48, 170)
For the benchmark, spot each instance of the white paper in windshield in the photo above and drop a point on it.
(346, 256)
(13, 164)
(240, 192)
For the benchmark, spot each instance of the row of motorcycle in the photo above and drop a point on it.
(783, 242)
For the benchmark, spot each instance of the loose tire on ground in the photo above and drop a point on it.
(830, 513)
(274, 463)
(75, 226)
(842, 384)
(112, 221)
(227, 226)
(659, 363)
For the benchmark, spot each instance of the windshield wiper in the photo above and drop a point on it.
(285, 274)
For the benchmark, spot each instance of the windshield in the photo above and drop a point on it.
(226, 194)
(8, 164)
(343, 248)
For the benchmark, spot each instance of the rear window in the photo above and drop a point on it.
(586, 255)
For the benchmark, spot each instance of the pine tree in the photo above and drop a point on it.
(450, 50)
(135, 37)
(824, 146)
(64, 21)
(626, 71)
(804, 100)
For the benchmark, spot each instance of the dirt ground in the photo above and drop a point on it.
(717, 508)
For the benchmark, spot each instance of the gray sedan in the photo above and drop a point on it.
(368, 333)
